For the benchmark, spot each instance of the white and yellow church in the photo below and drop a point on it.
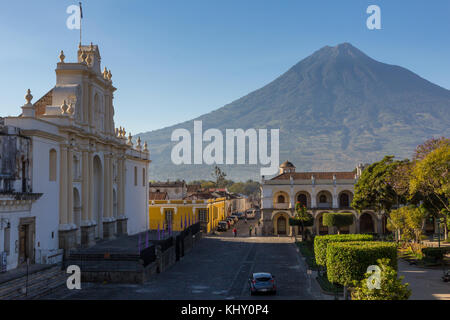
(69, 176)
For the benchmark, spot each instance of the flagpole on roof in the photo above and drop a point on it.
(81, 20)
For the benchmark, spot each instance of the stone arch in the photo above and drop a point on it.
(281, 195)
(320, 228)
(367, 223)
(353, 227)
(345, 198)
(98, 196)
(303, 196)
(280, 223)
(324, 199)
(114, 203)
(77, 212)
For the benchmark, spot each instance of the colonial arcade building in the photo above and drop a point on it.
(321, 192)
(78, 178)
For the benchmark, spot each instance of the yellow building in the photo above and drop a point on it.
(182, 213)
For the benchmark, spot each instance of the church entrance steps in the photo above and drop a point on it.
(41, 280)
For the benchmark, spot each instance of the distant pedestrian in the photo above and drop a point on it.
(234, 232)
(250, 231)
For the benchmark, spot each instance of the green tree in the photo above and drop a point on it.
(408, 221)
(338, 220)
(374, 189)
(391, 287)
(219, 177)
(430, 177)
(302, 215)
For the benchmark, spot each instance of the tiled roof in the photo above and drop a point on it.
(317, 175)
(158, 196)
(167, 184)
(193, 188)
(200, 196)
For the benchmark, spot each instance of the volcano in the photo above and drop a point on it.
(334, 109)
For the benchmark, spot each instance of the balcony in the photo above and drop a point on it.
(283, 206)
(325, 205)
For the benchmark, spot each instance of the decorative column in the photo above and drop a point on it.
(66, 234)
(90, 107)
(87, 227)
(335, 202)
(91, 187)
(108, 220)
(121, 217)
(63, 186)
(70, 186)
(85, 116)
(313, 192)
(106, 121)
(291, 195)
(85, 187)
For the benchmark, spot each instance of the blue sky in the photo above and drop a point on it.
(175, 60)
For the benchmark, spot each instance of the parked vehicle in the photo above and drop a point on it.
(231, 220)
(240, 215)
(235, 218)
(251, 214)
(222, 226)
(262, 282)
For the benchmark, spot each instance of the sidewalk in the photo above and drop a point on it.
(313, 286)
(425, 284)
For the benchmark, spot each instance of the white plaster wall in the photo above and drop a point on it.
(136, 197)
(46, 208)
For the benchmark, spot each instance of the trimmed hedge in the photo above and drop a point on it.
(348, 261)
(297, 222)
(321, 242)
(434, 253)
(337, 219)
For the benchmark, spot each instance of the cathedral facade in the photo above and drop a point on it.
(77, 178)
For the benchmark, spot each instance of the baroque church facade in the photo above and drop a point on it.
(68, 175)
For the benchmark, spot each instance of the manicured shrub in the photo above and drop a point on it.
(321, 242)
(297, 222)
(348, 261)
(337, 219)
(390, 285)
(435, 254)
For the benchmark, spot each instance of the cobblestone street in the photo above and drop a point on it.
(217, 268)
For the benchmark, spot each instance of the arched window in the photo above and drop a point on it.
(280, 199)
(143, 177)
(52, 165)
(344, 200)
(302, 199)
(323, 199)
